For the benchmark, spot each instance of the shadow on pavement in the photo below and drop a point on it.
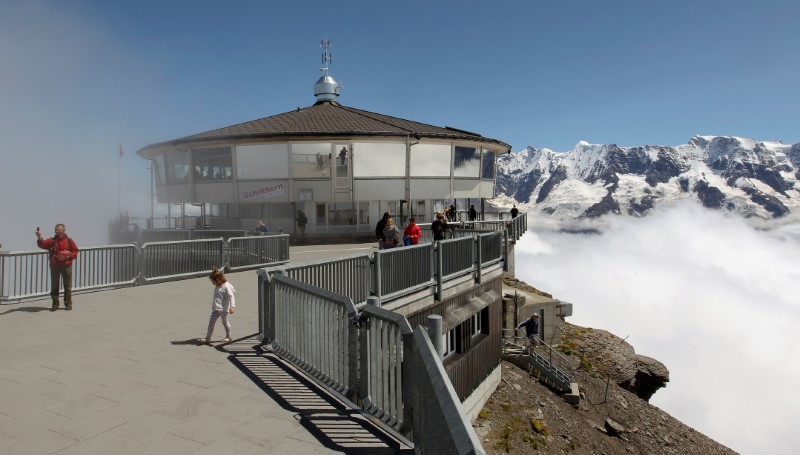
(328, 420)
(29, 309)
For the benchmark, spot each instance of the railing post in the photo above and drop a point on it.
(269, 308)
(354, 342)
(505, 251)
(140, 265)
(478, 259)
(376, 276)
(438, 271)
(374, 301)
(435, 334)
(362, 359)
(226, 255)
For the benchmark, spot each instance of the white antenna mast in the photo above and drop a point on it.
(327, 57)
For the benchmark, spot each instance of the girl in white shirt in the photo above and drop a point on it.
(222, 304)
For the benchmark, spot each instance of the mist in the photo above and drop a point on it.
(708, 294)
(65, 95)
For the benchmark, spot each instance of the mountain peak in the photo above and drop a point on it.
(747, 176)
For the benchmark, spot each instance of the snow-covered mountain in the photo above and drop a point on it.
(754, 178)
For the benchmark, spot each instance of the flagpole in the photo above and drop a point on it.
(119, 185)
(119, 203)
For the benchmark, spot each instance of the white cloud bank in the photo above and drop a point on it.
(711, 297)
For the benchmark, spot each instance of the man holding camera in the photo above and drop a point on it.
(62, 252)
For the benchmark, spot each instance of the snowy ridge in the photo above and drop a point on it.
(750, 177)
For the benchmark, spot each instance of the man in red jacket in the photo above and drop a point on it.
(62, 252)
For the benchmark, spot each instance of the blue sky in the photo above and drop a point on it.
(79, 77)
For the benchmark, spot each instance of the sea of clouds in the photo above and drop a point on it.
(708, 294)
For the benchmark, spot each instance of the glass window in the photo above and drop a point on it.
(320, 215)
(379, 159)
(466, 162)
(363, 213)
(487, 168)
(449, 343)
(250, 211)
(212, 164)
(262, 161)
(475, 323)
(177, 164)
(311, 160)
(160, 177)
(430, 160)
(341, 214)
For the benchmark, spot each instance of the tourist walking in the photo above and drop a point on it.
(62, 251)
(391, 235)
(412, 232)
(531, 329)
(439, 227)
(301, 223)
(379, 230)
(514, 211)
(223, 304)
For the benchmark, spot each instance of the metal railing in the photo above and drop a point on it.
(384, 343)
(457, 257)
(26, 274)
(312, 329)
(370, 357)
(401, 271)
(552, 364)
(246, 252)
(167, 260)
(439, 421)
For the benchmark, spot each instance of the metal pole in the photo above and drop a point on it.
(435, 334)
(152, 172)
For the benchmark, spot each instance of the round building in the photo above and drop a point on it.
(338, 166)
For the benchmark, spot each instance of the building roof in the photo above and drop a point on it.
(328, 118)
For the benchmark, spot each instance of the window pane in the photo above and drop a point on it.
(177, 163)
(430, 160)
(371, 159)
(262, 161)
(341, 214)
(159, 164)
(320, 215)
(311, 160)
(466, 162)
(212, 164)
(487, 169)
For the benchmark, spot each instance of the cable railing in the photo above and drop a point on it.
(26, 274)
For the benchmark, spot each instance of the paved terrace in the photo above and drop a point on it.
(121, 373)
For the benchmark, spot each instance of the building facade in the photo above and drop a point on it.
(340, 167)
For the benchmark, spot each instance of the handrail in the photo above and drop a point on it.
(399, 271)
(312, 329)
(372, 358)
(25, 275)
(557, 365)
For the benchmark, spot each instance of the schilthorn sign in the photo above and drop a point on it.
(265, 191)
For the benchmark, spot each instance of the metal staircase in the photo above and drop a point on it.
(554, 369)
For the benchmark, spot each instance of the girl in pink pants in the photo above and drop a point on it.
(222, 304)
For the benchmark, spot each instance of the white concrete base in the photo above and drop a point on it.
(478, 398)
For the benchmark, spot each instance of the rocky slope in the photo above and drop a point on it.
(524, 416)
(754, 178)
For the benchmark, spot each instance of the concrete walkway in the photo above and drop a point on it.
(122, 374)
